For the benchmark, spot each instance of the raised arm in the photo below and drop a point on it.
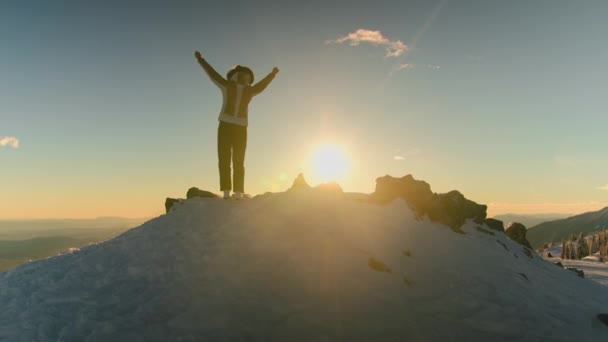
(213, 75)
(262, 84)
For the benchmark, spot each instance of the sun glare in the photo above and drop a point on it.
(329, 163)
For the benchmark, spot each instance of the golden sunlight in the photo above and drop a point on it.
(329, 163)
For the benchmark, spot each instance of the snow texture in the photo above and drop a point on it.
(593, 268)
(299, 266)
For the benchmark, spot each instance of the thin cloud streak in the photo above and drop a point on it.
(9, 141)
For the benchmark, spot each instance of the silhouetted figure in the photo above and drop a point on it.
(237, 91)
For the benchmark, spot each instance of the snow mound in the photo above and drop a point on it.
(299, 266)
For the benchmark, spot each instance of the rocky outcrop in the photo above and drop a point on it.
(169, 202)
(196, 192)
(603, 317)
(517, 232)
(192, 192)
(495, 224)
(578, 272)
(299, 184)
(451, 208)
(330, 187)
(416, 193)
(454, 209)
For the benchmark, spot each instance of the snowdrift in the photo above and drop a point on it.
(300, 266)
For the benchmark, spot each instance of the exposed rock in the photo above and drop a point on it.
(559, 264)
(416, 193)
(169, 202)
(603, 318)
(452, 208)
(549, 255)
(578, 272)
(330, 187)
(517, 232)
(299, 183)
(495, 224)
(196, 192)
(192, 192)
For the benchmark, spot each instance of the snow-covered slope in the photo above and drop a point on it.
(299, 266)
(594, 269)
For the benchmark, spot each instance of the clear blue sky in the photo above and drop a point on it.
(503, 100)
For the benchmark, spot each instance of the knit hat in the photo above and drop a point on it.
(240, 68)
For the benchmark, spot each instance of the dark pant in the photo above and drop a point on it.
(231, 144)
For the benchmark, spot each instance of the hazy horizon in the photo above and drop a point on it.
(105, 111)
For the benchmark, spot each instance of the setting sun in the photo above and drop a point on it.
(329, 163)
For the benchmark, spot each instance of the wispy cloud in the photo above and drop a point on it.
(433, 66)
(405, 66)
(9, 141)
(406, 154)
(394, 48)
(605, 187)
(401, 67)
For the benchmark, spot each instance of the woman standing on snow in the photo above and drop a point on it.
(237, 92)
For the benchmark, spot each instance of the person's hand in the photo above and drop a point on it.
(198, 55)
(275, 70)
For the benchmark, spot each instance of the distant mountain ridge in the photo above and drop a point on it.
(530, 220)
(554, 231)
(78, 228)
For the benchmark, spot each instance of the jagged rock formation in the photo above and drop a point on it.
(495, 224)
(517, 232)
(299, 183)
(451, 208)
(170, 202)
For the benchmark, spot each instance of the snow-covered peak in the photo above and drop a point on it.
(299, 266)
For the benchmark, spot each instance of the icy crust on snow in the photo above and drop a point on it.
(299, 267)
